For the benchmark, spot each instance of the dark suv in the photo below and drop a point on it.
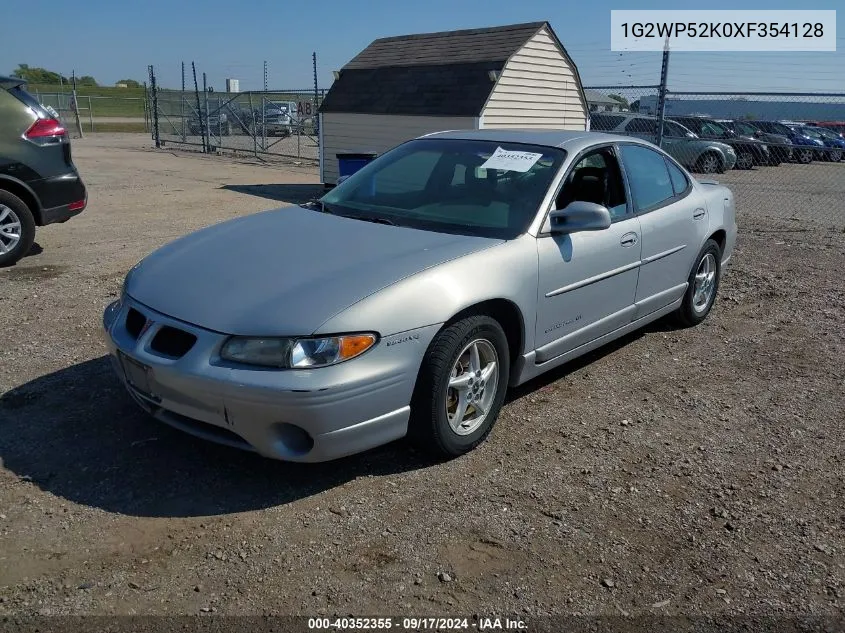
(749, 151)
(39, 183)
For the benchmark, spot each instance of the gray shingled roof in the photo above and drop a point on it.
(429, 74)
(447, 47)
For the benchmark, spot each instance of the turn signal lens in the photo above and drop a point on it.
(351, 346)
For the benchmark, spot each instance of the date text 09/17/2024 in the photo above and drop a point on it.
(418, 624)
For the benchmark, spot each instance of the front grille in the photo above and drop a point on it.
(172, 342)
(135, 323)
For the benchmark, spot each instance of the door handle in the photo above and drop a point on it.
(629, 239)
(698, 214)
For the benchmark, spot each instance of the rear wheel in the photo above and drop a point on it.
(461, 387)
(834, 155)
(703, 284)
(744, 160)
(17, 228)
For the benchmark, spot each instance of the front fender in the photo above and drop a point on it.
(507, 271)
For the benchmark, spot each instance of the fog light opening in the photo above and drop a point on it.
(294, 439)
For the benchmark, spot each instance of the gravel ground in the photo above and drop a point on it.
(694, 472)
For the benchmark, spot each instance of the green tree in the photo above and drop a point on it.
(86, 80)
(37, 75)
(130, 83)
(622, 100)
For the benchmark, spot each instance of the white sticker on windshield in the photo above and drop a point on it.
(511, 161)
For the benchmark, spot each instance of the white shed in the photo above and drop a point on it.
(398, 88)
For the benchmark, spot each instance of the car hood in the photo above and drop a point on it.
(286, 271)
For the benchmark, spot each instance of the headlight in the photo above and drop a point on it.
(731, 151)
(765, 148)
(296, 353)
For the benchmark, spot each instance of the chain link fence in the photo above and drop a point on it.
(98, 113)
(783, 154)
(279, 123)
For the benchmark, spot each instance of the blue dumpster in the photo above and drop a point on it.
(348, 164)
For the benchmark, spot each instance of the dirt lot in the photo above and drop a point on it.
(676, 472)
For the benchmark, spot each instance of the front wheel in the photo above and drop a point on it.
(805, 156)
(461, 387)
(710, 163)
(703, 284)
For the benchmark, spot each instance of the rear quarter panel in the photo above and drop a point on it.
(721, 209)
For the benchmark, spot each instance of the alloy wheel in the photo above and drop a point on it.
(705, 282)
(473, 383)
(10, 229)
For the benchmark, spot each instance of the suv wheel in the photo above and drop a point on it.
(17, 228)
(744, 160)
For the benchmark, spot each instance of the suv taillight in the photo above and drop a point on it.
(44, 129)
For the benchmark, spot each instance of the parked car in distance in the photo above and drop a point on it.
(276, 118)
(220, 120)
(749, 151)
(780, 147)
(39, 184)
(837, 127)
(449, 268)
(834, 144)
(697, 155)
(804, 148)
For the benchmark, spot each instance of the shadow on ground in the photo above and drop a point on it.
(76, 434)
(291, 194)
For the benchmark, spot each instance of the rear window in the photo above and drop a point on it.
(605, 122)
(27, 99)
(642, 126)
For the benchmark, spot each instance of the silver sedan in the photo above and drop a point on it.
(410, 297)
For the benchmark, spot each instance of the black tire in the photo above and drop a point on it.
(744, 160)
(27, 235)
(687, 315)
(429, 426)
(710, 163)
(805, 156)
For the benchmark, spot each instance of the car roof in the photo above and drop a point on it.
(11, 82)
(570, 140)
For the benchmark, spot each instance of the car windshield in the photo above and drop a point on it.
(469, 187)
(712, 128)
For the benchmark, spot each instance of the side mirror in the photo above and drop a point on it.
(579, 216)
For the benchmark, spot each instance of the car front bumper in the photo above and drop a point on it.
(305, 415)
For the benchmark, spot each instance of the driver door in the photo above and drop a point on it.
(588, 279)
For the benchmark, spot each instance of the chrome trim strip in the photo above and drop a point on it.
(592, 280)
(654, 258)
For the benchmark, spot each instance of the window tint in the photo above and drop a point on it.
(648, 177)
(642, 126)
(596, 178)
(409, 173)
(28, 99)
(604, 122)
(678, 178)
(670, 128)
(744, 128)
(692, 124)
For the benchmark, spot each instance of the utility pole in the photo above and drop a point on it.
(76, 106)
(265, 76)
(661, 93)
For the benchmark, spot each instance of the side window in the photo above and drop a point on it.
(596, 178)
(648, 177)
(408, 174)
(679, 180)
(642, 126)
(605, 122)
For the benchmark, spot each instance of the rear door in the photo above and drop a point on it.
(673, 222)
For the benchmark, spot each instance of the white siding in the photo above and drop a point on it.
(538, 88)
(343, 132)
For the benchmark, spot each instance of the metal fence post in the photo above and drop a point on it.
(252, 127)
(154, 95)
(91, 113)
(199, 107)
(205, 113)
(661, 93)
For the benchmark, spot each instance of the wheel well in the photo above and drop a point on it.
(24, 194)
(509, 317)
(720, 238)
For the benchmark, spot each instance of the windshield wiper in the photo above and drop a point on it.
(370, 218)
(319, 205)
